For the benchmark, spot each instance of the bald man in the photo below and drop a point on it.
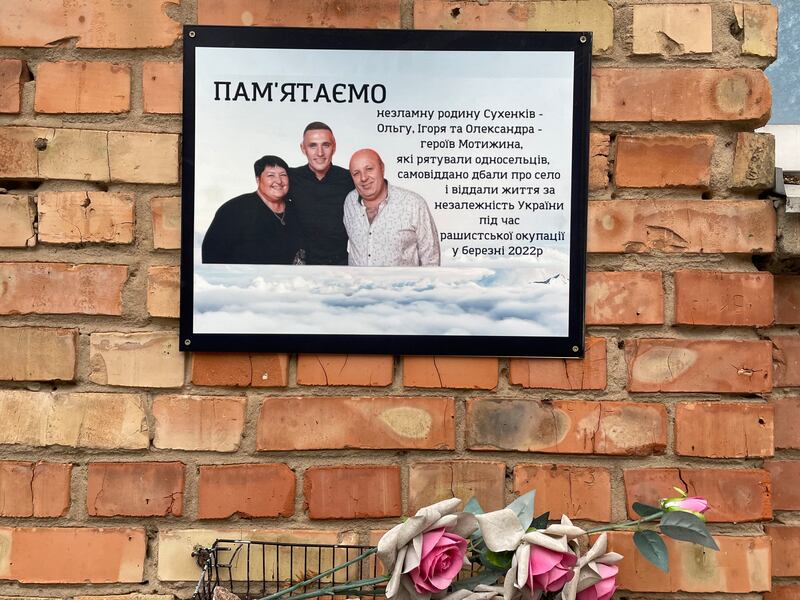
(387, 226)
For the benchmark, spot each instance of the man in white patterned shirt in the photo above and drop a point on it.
(387, 226)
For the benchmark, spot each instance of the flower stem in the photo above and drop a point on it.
(306, 582)
(636, 523)
(336, 589)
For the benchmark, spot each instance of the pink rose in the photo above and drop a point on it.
(441, 559)
(550, 570)
(603, 589)
(693, 504)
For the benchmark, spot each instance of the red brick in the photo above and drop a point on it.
(139, 157)
(787, 300)
(240, 369)
(624, 298)
(163, 291)
(722, 366)
(722, 430)
(785, 483)
(734, 495)
(786, 360)
(135, 489)
(569, 427)
(785, 550)
(30, 489)
(783, 592)
(140, 359)
(82, 87)
(317, 423)
(61, 288)
(93, 23)
(450, 372)
(199, 422)
(682, 226)
(86, 217)
(665, 95)
(19, 158)
(300, 13)
(714, 298)
(38, 354)
(599, 148)
(742, 565)
(13, 73)
(588, 373)
(252, 490)
(162, 84)
(352, 492)
(344, 369)
(166, 218)
(578, 492)
(430, 482)
(48, 554)
(657, 161)
(17, 214)
(758, 25)
(787, 415)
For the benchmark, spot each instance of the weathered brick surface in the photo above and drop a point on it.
(37, 353)
(787, 415)
(786, 360)
(166, 218)
(723, 430)
(316, 423)
(199, 422)
(77, 420)
(675, 365)
(754, 162)
(17, 214)
(715, 298)
(667, 95)
(82, 87)
(47, 554)
(39, 489)
(735, 495)
(85, 217)
(596, 16)
(352, 492)
(787, 300)
(135, 489)
(682, 226)
(92, 23)
(79, 154)
(624, 298)
(12, 74)
(663, 161)
(249, 490)
(240, 369)
(148, 359)
(672, 29)
(785, 489)
(430, 482)
(162, 84)
(163, 291)
(783, 592)
(344, 369)
(742, 565)
(450, 372)
(300, 13)
(578, 492)
(18, 155)
(143, 157)
(759, 25)
(785, 546)
(61, 288)
(588, 373)
(564, 426)
(599, 149)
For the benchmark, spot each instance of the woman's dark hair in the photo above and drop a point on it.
(269, 161)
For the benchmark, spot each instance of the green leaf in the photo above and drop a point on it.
(484, 577)
(540, 522)
(473, 506)
(686, 527)
(645, 510)
(653, 548)
(499, 560)
(523, 507)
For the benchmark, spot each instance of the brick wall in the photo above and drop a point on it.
(118, 453)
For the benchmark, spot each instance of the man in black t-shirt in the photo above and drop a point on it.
(259, 228)
(318, 190)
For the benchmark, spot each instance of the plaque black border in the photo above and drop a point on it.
(571, 346)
